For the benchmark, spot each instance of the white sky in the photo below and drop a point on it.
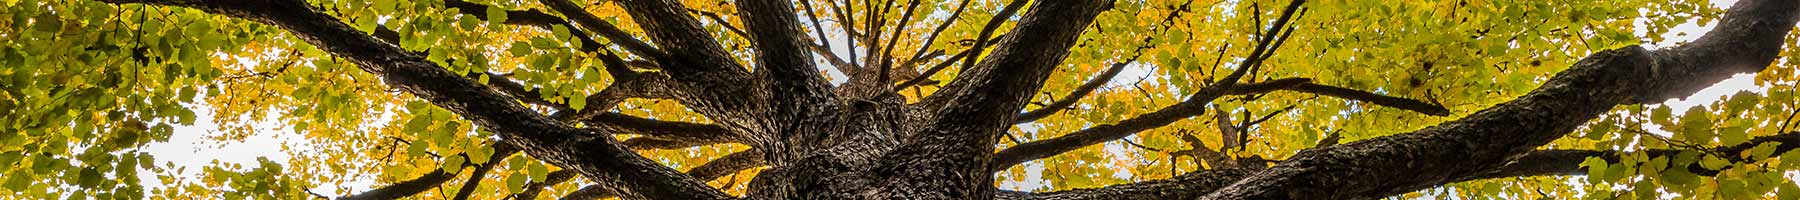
(188, 146)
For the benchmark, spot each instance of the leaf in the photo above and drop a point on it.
(520, 48)
(1596, 168)
(495, 15)
(453, 164)
(1787, 191)
(515, 183)
(1696, 126)
(480, 154)
(538, 171)
(1661, 115)
(1761, 151)
(416, 149)
(560, 31)
(1790, 159)
(1713, 162)
(578, 101)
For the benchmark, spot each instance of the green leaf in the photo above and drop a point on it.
(1713, 162)
(1596, 169)
(1761, 151)
(199, 28)
(520, 48)
(1661, 115)
(1680, 178)
(538, 171)
(453, 164)
(578, 101)
(480, 154)
(515, 183)
(590, 75)
(1790, 159)
(1696, 126)
(418, 125)
(416, 149)
(1600, 129)
(1742, 100)
(560, 31)
(1734, 135)
(90, 177)
(1787, 191)
(495, 16)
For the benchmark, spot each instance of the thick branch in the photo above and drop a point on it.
(703, 75)
(726, 165)
(405, 188)
(599, 158)
(1746, 40)
(1536, 163)
(669, 130)
(1568, 162)
(782, 51)
(953, 151)
(519, 91)
(525, 17)
(1186, 186)
(593, 23)
(799, 92)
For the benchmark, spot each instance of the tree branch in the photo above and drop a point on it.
(531, 18)
(981, 41)
(952, 151)
(425, 182)
(954, 15)
(1536, 163)
(596, 156)
(1074, 96)
(556, 177)
(1746, 40)
(1377, 99)
(1193, 106)
(1185, 186)
(405, 188)
(588, 193)
(481, 170)
(593, 23)
(1304, 85)
(703, 75)
(720, 167)
(667, 130)
(722, 23)
(799, 91)
(727, 165)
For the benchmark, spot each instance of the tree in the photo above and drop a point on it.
(845, 99)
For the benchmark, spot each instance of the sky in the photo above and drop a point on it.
(189, 146)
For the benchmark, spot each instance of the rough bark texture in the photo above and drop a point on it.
(860, 140)
(1746, 40)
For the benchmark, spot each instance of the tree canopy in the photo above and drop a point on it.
(913, 99)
